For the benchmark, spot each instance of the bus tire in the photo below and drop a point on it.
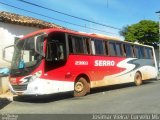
(81, 87)
(138, 79)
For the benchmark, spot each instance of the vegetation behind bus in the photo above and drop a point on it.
(145, 32)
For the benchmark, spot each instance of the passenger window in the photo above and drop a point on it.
(136, 52)
(78, 45)
(128, 50)
(139, 52)
(149, 54)
(87, 45)
(142, 55)
(119, 49)
(106, 48)
(112, 49)
(70, 44)
(97, 47)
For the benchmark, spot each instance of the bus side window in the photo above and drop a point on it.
(128, 50)
(106, 48)
(112, 49)
(133, 51)
(139, 52)
(97, 47)
(136, 51)
(119, 49)
(70, 44)
(78, 45)
(142, 54)
(87, 45)
(149, 53)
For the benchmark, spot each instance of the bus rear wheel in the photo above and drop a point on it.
(138, 79)
(81, 87)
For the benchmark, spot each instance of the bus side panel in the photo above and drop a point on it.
(101, 70)
(96, 67)
(131, 65)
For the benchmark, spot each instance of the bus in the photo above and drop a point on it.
(55, 60)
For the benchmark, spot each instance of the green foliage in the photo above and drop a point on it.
(145, 32)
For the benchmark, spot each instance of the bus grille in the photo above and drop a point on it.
(19, 87)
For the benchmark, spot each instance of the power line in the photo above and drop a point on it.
(67, 14)
(55, 18)
(38, 14)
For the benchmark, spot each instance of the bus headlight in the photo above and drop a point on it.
(35, 75)
(33, 78)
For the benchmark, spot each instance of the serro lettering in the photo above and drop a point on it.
(104, 63)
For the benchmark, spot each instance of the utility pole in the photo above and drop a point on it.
(107, 3)
(158, 62)
(159, 23)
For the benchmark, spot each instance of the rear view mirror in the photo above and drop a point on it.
(39, 42)
(8, 53)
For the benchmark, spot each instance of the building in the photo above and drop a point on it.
(13, 26)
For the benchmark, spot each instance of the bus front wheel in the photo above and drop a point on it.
(81, 87)
(138, 79)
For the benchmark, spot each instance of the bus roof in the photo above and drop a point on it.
(92, 35)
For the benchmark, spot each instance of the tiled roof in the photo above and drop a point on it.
(12, 18)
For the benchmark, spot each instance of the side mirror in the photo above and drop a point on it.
(39, 42)
(8, 53)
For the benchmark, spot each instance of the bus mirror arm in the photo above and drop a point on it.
(4, 53)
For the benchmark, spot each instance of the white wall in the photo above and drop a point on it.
(8, 32)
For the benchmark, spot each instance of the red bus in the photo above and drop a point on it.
(56, 60)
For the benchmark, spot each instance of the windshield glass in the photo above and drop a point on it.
(24, 54)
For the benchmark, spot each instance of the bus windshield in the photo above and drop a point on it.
(25, 55)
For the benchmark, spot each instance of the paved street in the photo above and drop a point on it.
(114, 99)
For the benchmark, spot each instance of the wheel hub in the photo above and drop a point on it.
(79, 87)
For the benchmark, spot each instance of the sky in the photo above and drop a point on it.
(115, 13)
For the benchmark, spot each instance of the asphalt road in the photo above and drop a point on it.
(127, 98)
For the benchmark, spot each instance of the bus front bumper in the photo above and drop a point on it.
(42, 87)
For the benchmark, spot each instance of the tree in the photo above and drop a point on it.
(145, 32)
